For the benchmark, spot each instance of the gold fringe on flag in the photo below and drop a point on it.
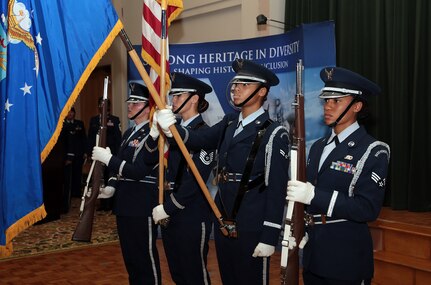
(40, 213)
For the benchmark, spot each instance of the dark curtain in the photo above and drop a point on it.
(389, 42)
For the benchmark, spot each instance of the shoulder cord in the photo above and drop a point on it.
(361, 163)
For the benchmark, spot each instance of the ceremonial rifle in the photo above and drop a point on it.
(294, 221)
(84, 228)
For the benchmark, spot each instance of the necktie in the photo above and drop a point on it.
(239, 128)
(131, 133)
(334, 139)
(327, 150)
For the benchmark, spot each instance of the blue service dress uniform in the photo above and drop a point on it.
(76, 148)
(260, 214)
(134, 199)
(349, 192)
(185, 239)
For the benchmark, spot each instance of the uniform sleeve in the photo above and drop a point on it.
(151, 151)
(363, 201)
(207, 138)
(276, 178)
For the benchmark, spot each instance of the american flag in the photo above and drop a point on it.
(155, 24)
(153, 34)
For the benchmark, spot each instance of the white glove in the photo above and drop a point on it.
(159, 214)
(299, 191)
(304, 241)
(263, 250)
(154, 131)
(106, 192)
(101, 154)
(166, 118)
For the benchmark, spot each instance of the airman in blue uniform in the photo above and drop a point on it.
(76, 152)
(252, 175)
(185, 238)
(135, 186)
(346, 174)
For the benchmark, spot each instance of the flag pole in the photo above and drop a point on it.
(136, 60)
(162, 139)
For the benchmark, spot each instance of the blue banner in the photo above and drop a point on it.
(48, 49)
(211, 62)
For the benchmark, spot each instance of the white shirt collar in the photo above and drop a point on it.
(138, 127)
(187, 122)
(346, 132)
(250, 118)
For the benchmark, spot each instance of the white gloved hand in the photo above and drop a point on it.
(101, 154)
(304, 241)
(106, 192)
(166, 118)
(299, 191)
(263, 250)
(159, 214)
(154, 131)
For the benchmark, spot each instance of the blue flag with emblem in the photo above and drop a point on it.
(48, 49)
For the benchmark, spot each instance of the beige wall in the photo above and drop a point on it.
(201, 21)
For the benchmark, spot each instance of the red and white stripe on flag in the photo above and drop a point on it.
(152, 35)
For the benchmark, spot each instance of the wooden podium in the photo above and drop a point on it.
(402, 248)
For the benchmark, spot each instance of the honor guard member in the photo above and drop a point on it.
(113, 140)
(346, 174)
(135, 192)
(185, 238)
(252, 175)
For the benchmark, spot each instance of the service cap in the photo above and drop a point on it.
(138, 93)
(341, 82)
(249, 71)
(181, 83)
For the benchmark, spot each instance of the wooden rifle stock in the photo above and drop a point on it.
(84, 228)
(294, 223)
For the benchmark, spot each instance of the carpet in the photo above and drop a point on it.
(57, 235)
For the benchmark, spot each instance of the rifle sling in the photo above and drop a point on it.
(244, 185)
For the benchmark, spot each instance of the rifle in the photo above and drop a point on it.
(294, 221)
(84, 227)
